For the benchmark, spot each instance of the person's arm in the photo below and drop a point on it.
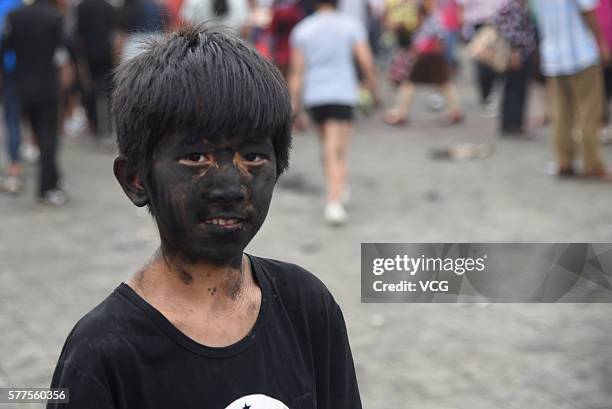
(295, 82)
(296, 78)
(364, 56)
(62, 56)
(590, 19)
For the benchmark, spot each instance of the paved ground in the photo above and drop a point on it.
(56, 264)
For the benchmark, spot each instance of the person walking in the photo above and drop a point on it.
(96, 24)
(573, 50)
(429, 67)
(514, 24)
(138, 22)
(401, 20)
(323, 78)
(13, 182)
(476, 15)
(285, 15)
(452, 17)
(35, 33)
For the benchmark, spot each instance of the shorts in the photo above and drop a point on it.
(322, 113)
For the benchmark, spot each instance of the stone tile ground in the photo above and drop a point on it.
(56, 264)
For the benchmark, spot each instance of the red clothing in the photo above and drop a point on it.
(284, 18)
(449, 13)
(174, 8)
(604, 15)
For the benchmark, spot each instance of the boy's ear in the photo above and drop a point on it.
(130, 181)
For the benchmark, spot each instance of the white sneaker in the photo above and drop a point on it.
(489, 109)
(335, 214)
(55, 198)
(436, 102)
(12, 185)
(29, 152)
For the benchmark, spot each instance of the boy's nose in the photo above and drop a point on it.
(227, 193)
(227, 185)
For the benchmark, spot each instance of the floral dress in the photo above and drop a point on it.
(516, 26)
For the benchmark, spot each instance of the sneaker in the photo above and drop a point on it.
(436, 102)
(76, 124)
(335, 214)
(55, 198)
(12, 185)
(29, 152)
(489, 109)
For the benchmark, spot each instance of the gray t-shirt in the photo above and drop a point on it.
(327, 39)
(355, 8)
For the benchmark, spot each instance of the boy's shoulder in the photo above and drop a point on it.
(104, 331)
(295, 285)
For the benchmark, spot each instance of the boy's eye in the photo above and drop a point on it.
(195, 159)
(255, 158)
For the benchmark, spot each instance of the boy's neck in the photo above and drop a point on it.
(217, 307)
(201, 285)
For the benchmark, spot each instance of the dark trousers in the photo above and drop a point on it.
(43, 118)
(515, 98)
(97, 98)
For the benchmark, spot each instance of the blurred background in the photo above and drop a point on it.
(475, 155)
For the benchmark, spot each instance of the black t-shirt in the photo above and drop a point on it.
(126, 354)
(96, 21)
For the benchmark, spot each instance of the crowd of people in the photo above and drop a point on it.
(58, 57)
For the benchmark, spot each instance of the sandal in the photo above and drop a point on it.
(453, 119)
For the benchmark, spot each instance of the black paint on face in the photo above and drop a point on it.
(209, 198)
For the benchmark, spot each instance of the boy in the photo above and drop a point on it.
(203, 125)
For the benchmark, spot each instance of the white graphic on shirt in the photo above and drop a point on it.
(257, 402)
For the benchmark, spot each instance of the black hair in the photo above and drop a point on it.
(198, 80)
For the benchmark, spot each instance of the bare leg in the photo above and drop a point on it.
(450, 94)
(336, 135)
(403, 101)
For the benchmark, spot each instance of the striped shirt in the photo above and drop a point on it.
(567, 44)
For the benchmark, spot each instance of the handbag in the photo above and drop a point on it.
(490, 48)
(431, 45)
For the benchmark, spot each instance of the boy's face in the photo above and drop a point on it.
(211, 198)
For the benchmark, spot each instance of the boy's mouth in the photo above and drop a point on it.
(222, 221)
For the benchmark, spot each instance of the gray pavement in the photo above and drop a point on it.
(56, 264)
